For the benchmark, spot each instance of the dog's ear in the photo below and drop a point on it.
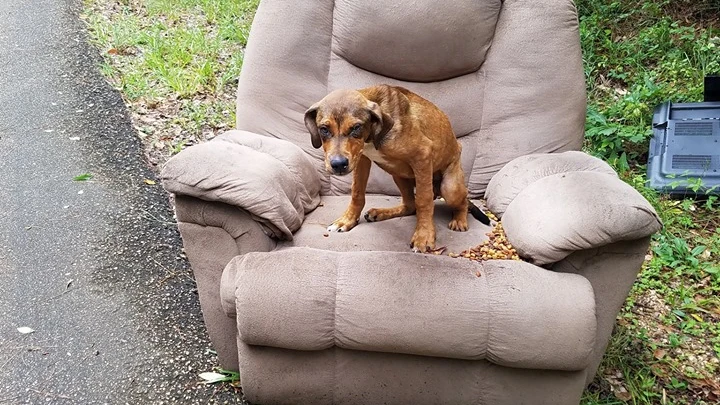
(382, 124)
(311, 125)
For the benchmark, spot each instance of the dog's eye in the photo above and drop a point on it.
(355, 130)
(324, 132)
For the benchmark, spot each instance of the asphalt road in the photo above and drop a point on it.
(94, 268)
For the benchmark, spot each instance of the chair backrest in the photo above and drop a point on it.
(508, 73)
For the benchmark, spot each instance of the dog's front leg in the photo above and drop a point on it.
(407, 191)
(424, 237)
(357, 198)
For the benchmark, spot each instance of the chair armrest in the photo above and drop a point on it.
(555, 204)
(513, 314)
(271, 179)
(213, 233)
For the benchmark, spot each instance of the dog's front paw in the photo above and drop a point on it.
(342, 224)
(423, 240)
(373, 215)
(381, 214)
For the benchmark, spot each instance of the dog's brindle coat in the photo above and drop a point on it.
(408, 137)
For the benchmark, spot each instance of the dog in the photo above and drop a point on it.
(405, 135)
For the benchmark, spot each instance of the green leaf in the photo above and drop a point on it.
(83, 177)
(608, 131)
(698, 250)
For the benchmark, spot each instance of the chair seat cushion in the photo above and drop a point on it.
(390, 235)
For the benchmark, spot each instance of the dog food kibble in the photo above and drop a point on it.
(495, 248)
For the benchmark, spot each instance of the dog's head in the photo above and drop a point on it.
(342, 123)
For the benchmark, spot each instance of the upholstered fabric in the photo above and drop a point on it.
(525, 170)
(273, 376)
(269, 178)
(390, 235)
(567, 212)
(611, 269)
(508, 312)
(525, 94)
(534, 95)
(419, 42)
(310, 317)
(213, 233)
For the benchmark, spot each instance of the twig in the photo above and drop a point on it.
(152, 217)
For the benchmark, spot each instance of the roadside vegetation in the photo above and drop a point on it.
(639, 54)
(176, 63)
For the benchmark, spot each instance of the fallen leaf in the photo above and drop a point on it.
(622, 394)
(25, 330)
(150, 182)
(697, 318)
(212, 377)
(83, 177)
(659, 353)
(113, 51)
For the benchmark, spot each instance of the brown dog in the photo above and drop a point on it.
(408, 137)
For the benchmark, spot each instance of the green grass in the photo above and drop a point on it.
(638, 54)
(176, 63)
(185, 48)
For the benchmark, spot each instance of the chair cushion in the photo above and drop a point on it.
(507, 312)
(415, 40)
(553, 204)
(270, 178)
(390, 235)
(520, 172)
(567, 212)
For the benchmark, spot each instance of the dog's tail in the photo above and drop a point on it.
(477, 213)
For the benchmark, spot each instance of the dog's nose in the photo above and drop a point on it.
(339, 164)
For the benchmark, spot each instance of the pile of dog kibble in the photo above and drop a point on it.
(495, 248)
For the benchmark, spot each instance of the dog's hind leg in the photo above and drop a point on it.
(454, 191)
(407, 207)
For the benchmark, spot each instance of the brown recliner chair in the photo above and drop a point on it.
(310, 317)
